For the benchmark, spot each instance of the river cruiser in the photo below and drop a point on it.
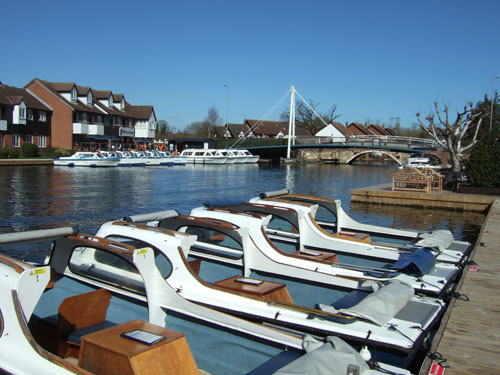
(203, 156)
(86, 159)
(287, 301)
(93, 285)
(331, 218)
(128, 159)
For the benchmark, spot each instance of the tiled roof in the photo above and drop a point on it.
(237, 129)
(101, 94)
(140, 112)
(13, 95)
(82, 90)
(220, 131)
(60, 86)
(340, 127)
(378, 130)
(359, 129)
(273, 128)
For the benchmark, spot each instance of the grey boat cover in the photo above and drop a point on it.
(332, 357)
(380, 306)
(440, 239)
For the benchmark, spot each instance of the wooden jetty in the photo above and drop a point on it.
(383, 194)
(469, 336)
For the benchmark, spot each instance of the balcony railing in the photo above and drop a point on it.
(88, 129)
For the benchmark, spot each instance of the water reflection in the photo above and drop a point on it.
(45, 196)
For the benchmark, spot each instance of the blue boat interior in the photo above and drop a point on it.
(215, 349)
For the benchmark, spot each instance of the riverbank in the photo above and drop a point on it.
(37, 161)
(469, 337)
(383, 194)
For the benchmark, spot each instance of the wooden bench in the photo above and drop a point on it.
(436, 178)
(411, 179)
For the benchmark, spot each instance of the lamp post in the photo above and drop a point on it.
(227, 104)
(492, 99)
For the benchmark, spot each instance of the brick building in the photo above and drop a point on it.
(24, 118)
(84, 118)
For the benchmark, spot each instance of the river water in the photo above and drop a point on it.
(46, 197)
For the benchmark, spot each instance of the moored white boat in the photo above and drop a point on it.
(128, 159)
(203, 156)
(334, 220)
(86, 159)
(293, 305)
(41, 306)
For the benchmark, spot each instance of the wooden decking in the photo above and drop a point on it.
(383, 194)
(469, 337)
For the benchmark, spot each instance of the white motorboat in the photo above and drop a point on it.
(72, 314)
(203, 156)
(288, 301)
(148, 157)
(249, 158)
(174, 160)
(421, 160)
(335, 222)
(86, 159)
(128, 159)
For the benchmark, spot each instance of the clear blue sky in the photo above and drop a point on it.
(375, 60)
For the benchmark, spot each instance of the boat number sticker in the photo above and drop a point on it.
(38, 271)
(142, 251)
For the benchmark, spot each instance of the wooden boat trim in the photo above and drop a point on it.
(9, 262)
(31, 340)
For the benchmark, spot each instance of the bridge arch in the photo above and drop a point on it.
(373, 152)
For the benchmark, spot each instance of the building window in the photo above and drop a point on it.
(84, 117)
(22, 112)
(110, 101)
(30, 114)
(42, 141)
(42, 116)
(89, 98)
(16, 140)
(99, 119)
(29, 139)
(122, 105)
(73, 95)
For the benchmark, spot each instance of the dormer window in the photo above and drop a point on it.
(89, 98)
(110, 101)
(74, 94)
(122, 105)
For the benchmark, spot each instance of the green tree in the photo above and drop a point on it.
(484, 106)
(484, 163)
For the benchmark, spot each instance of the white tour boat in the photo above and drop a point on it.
(86, 159)
(203, 156)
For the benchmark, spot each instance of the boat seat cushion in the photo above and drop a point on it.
(76, 336)
(419, 262)
(379, 306)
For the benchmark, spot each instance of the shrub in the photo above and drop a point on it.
(62, 152)
(29, 150)
(484, 164)
(9, 153)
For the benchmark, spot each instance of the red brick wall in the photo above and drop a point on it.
(62, 117)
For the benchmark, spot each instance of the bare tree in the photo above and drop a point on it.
(307, 116)
(450, 135)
